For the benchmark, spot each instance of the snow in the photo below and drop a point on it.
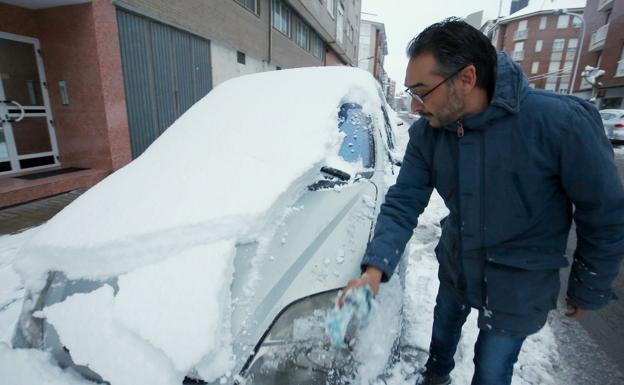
(546, 5)
(176, 305)
(11, 288)
(29, 366)
(86, 327)
(192, 185)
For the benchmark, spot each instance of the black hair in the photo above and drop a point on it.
(456, 44)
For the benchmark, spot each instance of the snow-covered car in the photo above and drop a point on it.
(613, 122)
(216, 255)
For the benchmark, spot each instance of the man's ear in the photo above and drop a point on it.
(468, 78)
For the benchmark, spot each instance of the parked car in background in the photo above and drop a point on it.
(613, 122)
(286, 273)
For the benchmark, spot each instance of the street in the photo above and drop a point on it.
(604, 327)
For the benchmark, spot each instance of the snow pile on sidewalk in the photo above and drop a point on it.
(167, 223)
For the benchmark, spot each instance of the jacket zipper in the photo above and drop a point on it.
(484, 296)
(460, 134)
(460, 129)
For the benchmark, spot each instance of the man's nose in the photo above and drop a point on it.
(416, 106)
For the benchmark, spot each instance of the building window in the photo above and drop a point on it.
(317, 48)
(281, 17)
(522, 32)
(576, 22)
(553, 75)
(558, 45)
(534, 67)
(620, 65)
(543, 21)
(571, 52)
(251, 5)
(563, 21)
(522, 25)
(349, 31)
(301, 33)
(340, 23)
(538, 45)
(518, 53)
(240, 57)
(331, 5)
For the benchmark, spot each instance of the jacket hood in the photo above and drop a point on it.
(511, 87)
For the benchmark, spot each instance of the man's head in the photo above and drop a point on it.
(451, 71)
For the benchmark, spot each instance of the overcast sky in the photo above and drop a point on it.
(404, 19)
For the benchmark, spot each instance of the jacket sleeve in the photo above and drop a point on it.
(591, 180)
(398, 216)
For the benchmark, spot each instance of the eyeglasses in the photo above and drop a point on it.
(421, 98)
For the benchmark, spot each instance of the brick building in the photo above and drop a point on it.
(543, 40)
(87, 85)
(604, 48)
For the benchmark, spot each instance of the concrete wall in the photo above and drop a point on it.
(367, 48)
(315, 12)
(225, 65)
(287, 54)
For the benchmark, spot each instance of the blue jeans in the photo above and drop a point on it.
(495, 352)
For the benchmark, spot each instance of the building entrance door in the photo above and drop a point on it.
(27, 138)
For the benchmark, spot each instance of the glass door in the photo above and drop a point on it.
(27, 138)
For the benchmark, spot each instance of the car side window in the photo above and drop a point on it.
(358, 143)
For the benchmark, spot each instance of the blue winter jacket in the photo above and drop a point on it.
(527, 165)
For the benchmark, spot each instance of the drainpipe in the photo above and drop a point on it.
(270, 32)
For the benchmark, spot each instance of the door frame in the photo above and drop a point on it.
(14, 158)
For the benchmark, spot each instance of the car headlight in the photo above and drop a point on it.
(29, 329)
(297, 350)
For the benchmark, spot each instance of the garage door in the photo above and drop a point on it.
(165, 72)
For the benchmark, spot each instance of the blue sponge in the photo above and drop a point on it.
(358, 305)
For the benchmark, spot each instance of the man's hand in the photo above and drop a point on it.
(371, 277)
(573, 310)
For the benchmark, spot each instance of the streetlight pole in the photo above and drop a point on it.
(579, 47)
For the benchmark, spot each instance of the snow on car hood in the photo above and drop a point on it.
(212, 175)
(167, 223)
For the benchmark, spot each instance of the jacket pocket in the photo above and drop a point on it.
(522, 284)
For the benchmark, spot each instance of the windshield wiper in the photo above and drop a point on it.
(336, 173)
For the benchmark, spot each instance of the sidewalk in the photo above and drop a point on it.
(21, 217)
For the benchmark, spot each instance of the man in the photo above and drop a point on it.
(511, 162)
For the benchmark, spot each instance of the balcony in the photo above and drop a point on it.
(517, 55)
(598, 38)
(521, 34)
(605, 5)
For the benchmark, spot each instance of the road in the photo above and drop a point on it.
(605, 327)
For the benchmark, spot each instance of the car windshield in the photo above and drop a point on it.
(358, 142)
